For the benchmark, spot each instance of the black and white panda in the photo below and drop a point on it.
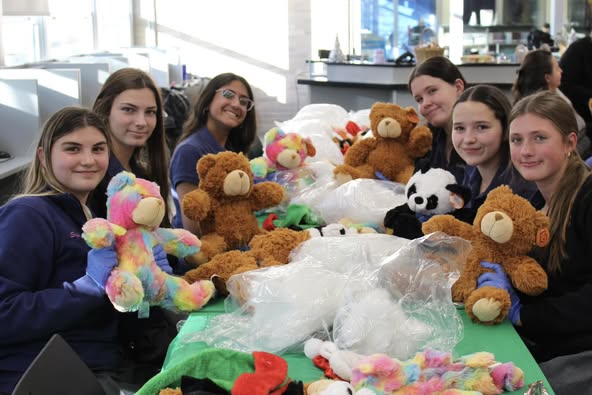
(429, 192)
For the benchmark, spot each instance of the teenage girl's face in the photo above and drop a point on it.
(554, 79)
(133, 117)
(538, 150)
(227, 113)
(476, 133)
(435, 98)
(79, 160)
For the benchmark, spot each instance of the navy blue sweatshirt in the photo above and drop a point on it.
(40, 249)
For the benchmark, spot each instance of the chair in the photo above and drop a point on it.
(57, 369)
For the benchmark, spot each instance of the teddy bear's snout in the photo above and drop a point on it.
(389, 128)
(149, 212)
(498, 226)
(237, 183)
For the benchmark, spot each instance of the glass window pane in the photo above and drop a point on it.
(69, 28)
(20, 38)
(113, 24)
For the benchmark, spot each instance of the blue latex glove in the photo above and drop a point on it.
(99, 264)
(499, 279)
(160, 257)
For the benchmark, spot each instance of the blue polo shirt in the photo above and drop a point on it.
(183, 166)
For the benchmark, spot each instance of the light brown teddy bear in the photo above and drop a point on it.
(397, 141)
(270, 249)
(505, 229)
(225, 202)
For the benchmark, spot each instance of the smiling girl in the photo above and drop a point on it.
(222, 119)
(435, 85)
(480, 137)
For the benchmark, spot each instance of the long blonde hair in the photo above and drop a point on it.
(40, 179)
(548, 105)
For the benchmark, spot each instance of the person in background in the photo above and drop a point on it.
(576, 80)
(53, 283)
(130, 104)
(222, 119)
(435, 85)
(480, 137)
(540, 71)
(555, 325)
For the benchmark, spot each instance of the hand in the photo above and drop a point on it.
(160, 257)
(499, 279)
(100, 263)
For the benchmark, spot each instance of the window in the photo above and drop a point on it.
(69, 28)
(21, 39)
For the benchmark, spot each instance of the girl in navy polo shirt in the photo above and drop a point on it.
(480, 138)
(222, 119)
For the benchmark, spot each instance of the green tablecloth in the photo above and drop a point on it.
(501, 340)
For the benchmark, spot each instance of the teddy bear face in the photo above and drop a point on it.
(226, 174)
(427, 192)
(388, 120)
(287, 150)
(134, 201)
(511, 220)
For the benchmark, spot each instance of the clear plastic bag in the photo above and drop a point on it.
(326, 290)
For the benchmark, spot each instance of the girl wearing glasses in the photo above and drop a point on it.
(222, 119)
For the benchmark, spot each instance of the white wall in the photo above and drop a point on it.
(265, 41)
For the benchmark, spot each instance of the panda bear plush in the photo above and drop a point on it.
(429, 192)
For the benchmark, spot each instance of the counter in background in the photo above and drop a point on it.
(358, 86)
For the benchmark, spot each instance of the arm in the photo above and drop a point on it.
(177, 242)
(189, 224)
(31, 293)
(266, 194)
(420, 141)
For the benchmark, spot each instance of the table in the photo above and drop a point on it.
(501, 340)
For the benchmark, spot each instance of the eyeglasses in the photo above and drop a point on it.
(242, 100)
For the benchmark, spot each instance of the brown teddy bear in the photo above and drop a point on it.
(505, 229)
(269, 249)
(397, 141)
(225, 202)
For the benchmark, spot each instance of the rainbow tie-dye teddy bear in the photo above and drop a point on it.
(135, 210)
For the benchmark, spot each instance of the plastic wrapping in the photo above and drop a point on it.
(362, 200)
(343, 288)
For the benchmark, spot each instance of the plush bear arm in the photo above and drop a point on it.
(449, 225)
(260, 167)
(196, 205)
(467, 282)
(357, 154)
(100, 233)
(177, 242)
(266, 194)
(526, 274)
(401, 221)
(420, 142)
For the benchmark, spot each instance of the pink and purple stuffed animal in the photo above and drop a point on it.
(283, 151)
(135, 210)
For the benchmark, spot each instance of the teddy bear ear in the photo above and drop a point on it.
(310, 148)
(271, 135)
(204, 164)
(120, 181)
(412, 115)
(542, 223)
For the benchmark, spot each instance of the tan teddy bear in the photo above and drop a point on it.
(505, 229)
(397, 141)
(269, 249)
(225, 202)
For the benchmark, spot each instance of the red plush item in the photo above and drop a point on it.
(323, 364)
(268, 222)
(270, 377)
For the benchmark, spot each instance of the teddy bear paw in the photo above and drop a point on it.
(342, 178)
(487, 309)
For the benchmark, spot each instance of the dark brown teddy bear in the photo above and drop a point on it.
(225, 202)
(505, 229)
(397, 141)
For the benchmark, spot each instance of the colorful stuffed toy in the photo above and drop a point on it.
(135, 209)
(225, 203)
(283, 151)
(504, 231)
(390, 154)
(429, 192)
(434, 372)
